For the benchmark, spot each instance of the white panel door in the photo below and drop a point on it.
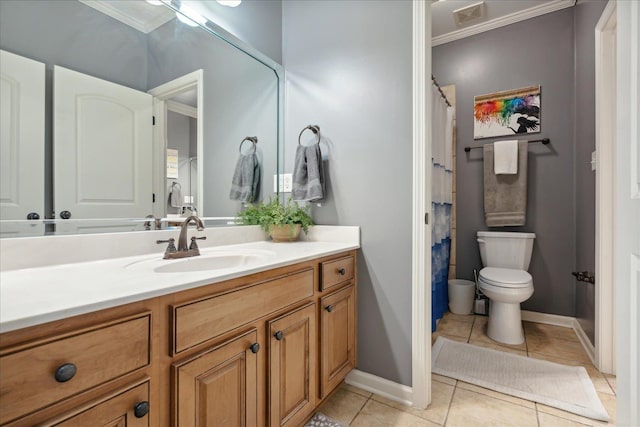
(102, 148)
(627, 214)
(21, 137)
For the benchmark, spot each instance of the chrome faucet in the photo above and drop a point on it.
(147, 224)
(184, 251)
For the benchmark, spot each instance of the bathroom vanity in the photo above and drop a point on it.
(261, 345)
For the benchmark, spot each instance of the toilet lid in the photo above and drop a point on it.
(505, 277)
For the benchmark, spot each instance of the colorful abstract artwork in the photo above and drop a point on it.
(507, 113)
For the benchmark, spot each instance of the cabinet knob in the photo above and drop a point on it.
(329, 308)
(342, 271)
(255, 347)
(65, 372)
(278, 335)
(33, 215)
(141, 409)
(65, 214)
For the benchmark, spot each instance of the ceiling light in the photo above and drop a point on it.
(190, 17)
(155, 2)
(230, 3)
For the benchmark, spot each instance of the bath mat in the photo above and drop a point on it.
(564, 387)
(321, 420)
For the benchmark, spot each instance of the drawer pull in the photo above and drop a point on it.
(255, 347)
(65, 372)
(278, 335)
(329, 308)
(141, 409)
(342, 271)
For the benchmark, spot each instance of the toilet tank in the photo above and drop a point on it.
(505, 250)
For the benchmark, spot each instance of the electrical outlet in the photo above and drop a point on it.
(287, 183)
(188, 200)
(283, 182)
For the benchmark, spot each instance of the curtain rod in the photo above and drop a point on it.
(433, 79)
(544, 141)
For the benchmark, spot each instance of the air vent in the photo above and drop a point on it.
(470, 14)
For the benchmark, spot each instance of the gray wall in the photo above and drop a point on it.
(536, 51)
(240, 99)
(255, 22)
(348, 69)
(587, 14)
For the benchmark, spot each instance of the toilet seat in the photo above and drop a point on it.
(505, 277)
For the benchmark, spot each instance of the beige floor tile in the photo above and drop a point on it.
(479, 333)
(548, 420)
(474, 409)
(495, 346)
(343, 406)
(376, 414)
(516, 400)
(443, 379)
(599, 382)
(611, 379)
(441, 395)
(454, 327)
(608, 401)
(563, 349)
(469, 318)
(355, 390)
(549, 331)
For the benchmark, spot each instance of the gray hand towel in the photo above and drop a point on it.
(245, 183)
(505, 196)
(308, 174)
(175, 197)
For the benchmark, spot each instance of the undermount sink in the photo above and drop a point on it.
(215, 260)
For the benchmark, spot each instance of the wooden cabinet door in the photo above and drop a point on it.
(337, 338)
(219, 386)
(292, 367)
(125, 408)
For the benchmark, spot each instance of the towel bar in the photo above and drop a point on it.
(253, 139)
(544, 141)
(313, 128)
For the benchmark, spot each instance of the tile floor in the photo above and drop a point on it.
(458, 404)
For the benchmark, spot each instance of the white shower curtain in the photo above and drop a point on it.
(441, 196)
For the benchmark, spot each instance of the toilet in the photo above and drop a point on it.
(505, 281)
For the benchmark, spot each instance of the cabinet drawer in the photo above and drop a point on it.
(199, 321)
(127, 407)
(336, 272)
(28, 376)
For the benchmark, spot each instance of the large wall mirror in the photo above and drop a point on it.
(116, 110)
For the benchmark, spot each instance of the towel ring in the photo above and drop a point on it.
(313, 128)
(253, 139)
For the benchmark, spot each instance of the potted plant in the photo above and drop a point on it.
(282, 222)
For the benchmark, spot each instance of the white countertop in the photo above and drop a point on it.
(33, 296)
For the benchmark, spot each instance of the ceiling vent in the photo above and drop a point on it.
(470, 14)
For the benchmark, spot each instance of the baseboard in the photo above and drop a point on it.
(567, 322)
(380, 386)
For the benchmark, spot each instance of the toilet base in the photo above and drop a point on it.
(505, 323)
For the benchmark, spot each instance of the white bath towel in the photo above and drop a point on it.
(505, 157)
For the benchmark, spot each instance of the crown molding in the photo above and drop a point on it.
(502, 21)
(142, 25)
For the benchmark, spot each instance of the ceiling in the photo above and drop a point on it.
(496, 13)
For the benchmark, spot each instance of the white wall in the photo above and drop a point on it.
(348, 69)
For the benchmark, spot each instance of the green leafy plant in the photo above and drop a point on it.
(274, 213)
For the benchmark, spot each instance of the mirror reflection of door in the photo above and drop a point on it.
(22, 82)
(102, 148)
(178, 112)
(182, 170)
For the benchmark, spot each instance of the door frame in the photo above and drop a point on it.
(421, 242)
(161, 104)
(605, 60)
